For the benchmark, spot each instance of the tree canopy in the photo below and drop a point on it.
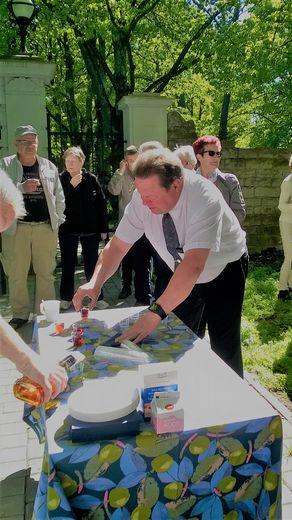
(224, 62)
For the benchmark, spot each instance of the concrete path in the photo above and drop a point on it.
(21, 454)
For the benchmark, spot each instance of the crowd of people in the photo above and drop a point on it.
(179, 216)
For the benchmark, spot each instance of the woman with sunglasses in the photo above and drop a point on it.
(208, 154)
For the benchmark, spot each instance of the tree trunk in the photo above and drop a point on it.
(223, 129)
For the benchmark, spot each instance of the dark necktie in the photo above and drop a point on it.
(171, 238)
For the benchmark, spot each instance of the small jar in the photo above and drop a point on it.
(77, 336)
(84, 313)
(29, 391)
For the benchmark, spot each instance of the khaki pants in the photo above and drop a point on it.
(285, 281)
(34, 244)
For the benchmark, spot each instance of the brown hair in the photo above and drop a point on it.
(161, 162)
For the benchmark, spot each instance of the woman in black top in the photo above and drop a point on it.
(86, 221)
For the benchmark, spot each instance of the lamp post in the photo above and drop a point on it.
(23, 12)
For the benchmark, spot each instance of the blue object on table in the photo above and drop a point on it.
(89, 431)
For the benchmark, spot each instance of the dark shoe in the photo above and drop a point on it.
(125, 292)
(284, 295)
(16, 323)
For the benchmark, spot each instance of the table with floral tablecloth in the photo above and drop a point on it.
(230, 470)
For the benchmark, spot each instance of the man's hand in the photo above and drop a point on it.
(30, 185)
(88, 290)
(76, 180)
(123, 166)
(53, 380)
(141, 328)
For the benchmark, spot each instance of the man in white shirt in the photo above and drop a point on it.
(210, 253)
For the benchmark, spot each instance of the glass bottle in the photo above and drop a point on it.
(29, 391)
(84, 313)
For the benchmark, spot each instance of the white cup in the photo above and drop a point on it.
(51, 309)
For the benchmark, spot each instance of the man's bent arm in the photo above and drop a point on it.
(183, 279)
(179, 287)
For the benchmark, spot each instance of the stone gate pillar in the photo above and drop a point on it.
(144, 118)
(22, 99)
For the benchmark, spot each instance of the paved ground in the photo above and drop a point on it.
(21, 455)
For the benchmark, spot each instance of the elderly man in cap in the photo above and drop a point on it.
(32, 239)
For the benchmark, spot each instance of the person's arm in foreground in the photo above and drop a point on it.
(107, 264)
(179, 287)
(52, 379)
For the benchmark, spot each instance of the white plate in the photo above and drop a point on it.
(105, 400)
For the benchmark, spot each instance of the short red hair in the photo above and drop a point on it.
(199, 144)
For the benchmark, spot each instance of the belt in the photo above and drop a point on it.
(33, 223)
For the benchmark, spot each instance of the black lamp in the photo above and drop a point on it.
(23, 12)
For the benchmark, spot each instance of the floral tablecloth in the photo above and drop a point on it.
(229, 471)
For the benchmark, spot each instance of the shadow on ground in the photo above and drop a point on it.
(272, 326)
(17, 493)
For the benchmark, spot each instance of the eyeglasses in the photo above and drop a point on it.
(212, 153)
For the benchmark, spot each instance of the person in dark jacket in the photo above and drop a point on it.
(86, 221)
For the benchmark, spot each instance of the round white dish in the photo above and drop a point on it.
(104, 400)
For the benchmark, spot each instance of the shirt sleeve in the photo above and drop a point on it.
(237, 203)
(204, 226)
(115, 184)
(131, 226)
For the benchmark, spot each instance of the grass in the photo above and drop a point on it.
(267, 332)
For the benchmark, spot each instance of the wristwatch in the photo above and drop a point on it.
(157, 309)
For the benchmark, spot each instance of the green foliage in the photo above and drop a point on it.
(193, 51)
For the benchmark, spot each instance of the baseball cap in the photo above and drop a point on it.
(25, 129)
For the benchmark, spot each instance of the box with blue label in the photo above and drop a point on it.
(157, 377)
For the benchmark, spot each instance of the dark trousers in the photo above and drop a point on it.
(68, 247)
(218, 304)
(190, 311)
(138, 260)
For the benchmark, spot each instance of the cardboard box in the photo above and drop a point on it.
(167, 415)
(156, 378)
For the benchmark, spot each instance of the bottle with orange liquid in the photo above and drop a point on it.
(29, 391)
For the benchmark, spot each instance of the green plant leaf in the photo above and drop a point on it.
(163, 444)
(181, 507)
(151, 492)
(249, 489)
(207, 467)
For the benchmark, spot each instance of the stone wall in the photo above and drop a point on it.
(260, 172)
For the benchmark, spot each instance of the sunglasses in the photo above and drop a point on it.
(212, 153)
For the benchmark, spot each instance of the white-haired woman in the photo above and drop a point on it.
(187, 156)
(86, 222)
